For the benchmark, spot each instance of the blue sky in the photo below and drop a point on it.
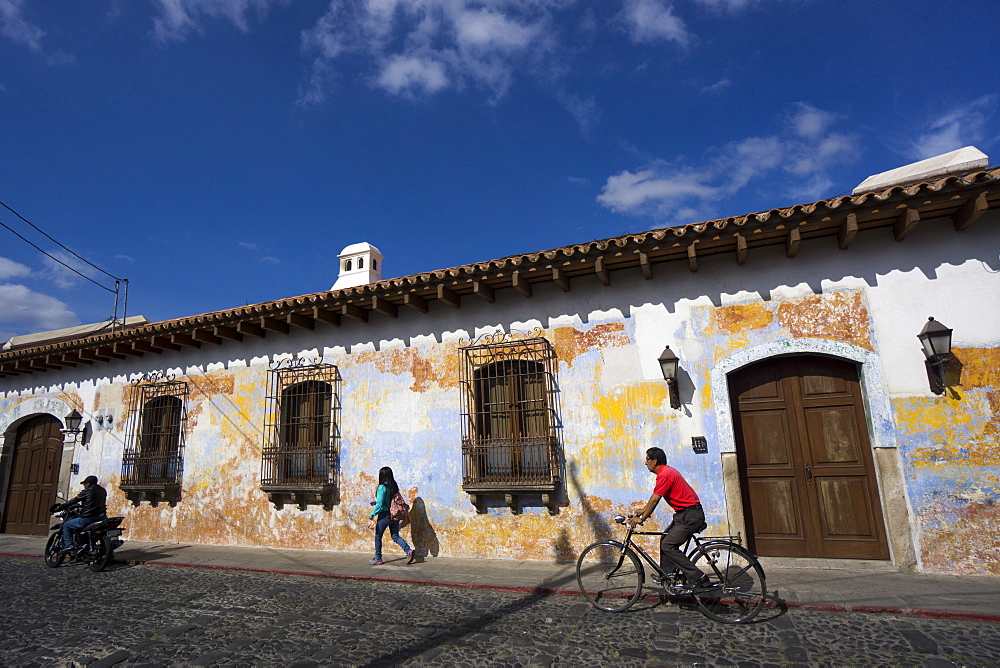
(222, 152)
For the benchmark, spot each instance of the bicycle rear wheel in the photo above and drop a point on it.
(736, 592)
(610, 576)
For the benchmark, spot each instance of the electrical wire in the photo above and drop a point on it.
(14, 232)
(36, 228)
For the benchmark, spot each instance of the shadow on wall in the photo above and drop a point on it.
(422, 534)
(562, 547)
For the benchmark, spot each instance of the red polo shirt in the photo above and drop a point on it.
(672, 486)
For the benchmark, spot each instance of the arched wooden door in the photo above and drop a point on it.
(34, 476)
(806, 467)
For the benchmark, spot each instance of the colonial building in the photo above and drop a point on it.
(514, 397)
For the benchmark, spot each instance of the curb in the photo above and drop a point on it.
(930, 613)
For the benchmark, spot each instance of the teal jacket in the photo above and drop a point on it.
(382, 501)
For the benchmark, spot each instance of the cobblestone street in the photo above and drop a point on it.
(148, 615)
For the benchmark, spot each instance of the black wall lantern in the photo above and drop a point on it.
(668, 367)
(936, 340)
(73, 421)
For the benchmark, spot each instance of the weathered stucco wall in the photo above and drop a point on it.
(401, 403)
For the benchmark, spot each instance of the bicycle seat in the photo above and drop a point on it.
(704, 525)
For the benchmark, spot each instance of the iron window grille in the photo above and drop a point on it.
(509, 425)
(152, 463)
(301, 435)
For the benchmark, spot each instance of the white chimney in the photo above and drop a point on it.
(360, 264)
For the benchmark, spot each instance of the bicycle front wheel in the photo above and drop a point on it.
(736, 591)
(610, 576)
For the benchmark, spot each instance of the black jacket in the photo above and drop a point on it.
(92, 501)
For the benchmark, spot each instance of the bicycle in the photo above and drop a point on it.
(611, 575)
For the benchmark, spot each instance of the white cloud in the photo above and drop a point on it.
(425, 46)
(16, 28)
(961, 126)
(730, 6)
(653, 21)
(179, 18)
(717, 87)
(808, 121)
(402, 74)
(246, 245)
(60, 270)
(800, 156)
(26, 311)
(12, 269)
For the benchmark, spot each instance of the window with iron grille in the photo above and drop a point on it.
(509, 439)
(301, 432)
(154, 450)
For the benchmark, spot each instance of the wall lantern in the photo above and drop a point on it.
(936, 340)
(668, 367)
(73, 421)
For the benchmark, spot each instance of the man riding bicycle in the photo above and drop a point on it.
(689, 518)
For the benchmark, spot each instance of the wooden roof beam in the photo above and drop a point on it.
(560, 278)
(905, 223)
(301, 321)
(450, 297)
(165, 343)
(792, 242)
(384, 306)
(92, 355)
(58, 360)
(484, 290)
(970, 212)
(224, 332)
(273, 325)
(741, 249)
(146, 347)
(647, 269)
(76, 358)
(250, 329)
(329, 317)
(206, 336)
(185, 340)
(692, 254)
(847, 231)
(356, 312)
(520, 283)
(110, 353)
(601, 269)
(415, 302)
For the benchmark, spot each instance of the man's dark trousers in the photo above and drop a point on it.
(686, 522)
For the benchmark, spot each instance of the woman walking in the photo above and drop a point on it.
(387, 488)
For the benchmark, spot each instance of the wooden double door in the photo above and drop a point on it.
(34, 476)
(806, 466)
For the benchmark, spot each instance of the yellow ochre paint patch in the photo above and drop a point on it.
(571, 342)
(738, 317)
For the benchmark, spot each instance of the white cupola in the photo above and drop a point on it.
(360, 264)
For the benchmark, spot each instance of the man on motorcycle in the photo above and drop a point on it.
(93, 507)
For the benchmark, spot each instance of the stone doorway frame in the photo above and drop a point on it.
(882, 433)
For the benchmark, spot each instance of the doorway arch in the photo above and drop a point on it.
(34, 465)
(893, 493)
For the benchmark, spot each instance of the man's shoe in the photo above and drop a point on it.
(700, 583)
(657, 580)
(411, 556)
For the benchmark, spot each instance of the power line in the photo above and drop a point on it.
(52, 257)
(37, 229)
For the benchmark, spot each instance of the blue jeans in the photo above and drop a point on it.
(74, 524)
(385, 521)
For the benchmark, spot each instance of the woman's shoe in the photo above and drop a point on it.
(411, 556)
(375, 562)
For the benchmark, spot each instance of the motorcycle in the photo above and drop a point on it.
(95, 543)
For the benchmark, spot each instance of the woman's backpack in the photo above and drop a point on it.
(399, 509)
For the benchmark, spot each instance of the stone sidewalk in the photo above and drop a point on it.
(860, 586)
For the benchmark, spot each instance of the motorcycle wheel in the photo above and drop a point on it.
(52, 557)
(99, 558)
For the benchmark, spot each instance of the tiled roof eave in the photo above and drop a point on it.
(963, 197)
